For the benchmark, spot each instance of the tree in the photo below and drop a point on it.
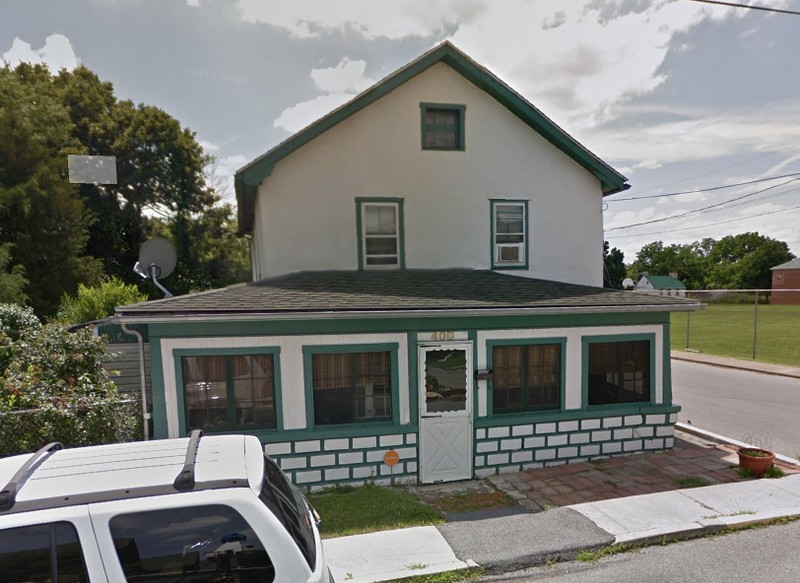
(744, 261)
(613, 267)
(12, 280)
(95, 303)
(40, 212)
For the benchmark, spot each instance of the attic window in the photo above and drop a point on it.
(442, 126)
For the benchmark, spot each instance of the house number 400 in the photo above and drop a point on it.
(438, 336)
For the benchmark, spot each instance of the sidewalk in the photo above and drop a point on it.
(523, 540)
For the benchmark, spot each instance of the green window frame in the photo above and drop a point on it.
(229, 389)
(509, 230)
(442, 126)
(351, 385)
(534, 369)
(380, 239)
(618, 370)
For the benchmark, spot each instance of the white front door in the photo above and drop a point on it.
(445, 401)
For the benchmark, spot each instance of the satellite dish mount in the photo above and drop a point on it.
(157, 259)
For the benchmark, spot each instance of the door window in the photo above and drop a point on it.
(41, 553)
(445, 380)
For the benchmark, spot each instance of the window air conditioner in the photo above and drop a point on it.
(510, 252)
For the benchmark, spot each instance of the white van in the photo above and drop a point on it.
(202, 508)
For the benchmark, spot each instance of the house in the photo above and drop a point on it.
(664, 285)
(427, 263)
(786, 276)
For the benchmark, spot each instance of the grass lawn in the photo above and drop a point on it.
(727, 330)
(347, 511)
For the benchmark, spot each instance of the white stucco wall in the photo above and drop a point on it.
(305, 214)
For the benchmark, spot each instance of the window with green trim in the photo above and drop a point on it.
(526, 378)
(380, 234)
(619, 372)
(442, 126)
(229, 392)
(351, 387)
(509, 232)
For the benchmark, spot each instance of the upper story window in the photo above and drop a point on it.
(380, 233)
(618, 371)
(509, 234)
(442, 126)
(226, 392)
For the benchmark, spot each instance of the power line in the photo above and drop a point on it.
(706, 225)
(700, 210)
(705, 189)
(737, 5)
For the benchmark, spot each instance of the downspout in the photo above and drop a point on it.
(142, 377)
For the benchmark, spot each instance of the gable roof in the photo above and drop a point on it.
(248, 177)
(664, 282)
(325, 294)
(793, 264)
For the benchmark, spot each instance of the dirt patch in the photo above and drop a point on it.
(471, 502)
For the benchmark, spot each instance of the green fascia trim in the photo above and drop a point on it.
(587, 340)
(535, 417)
(276, 378)
(413, 377)
(401, 241)
(666, 359)
(308, 351)
(158, 392)
(380, 325)
(500, 266)
(249, 177)
(490, 344)
(461, 146)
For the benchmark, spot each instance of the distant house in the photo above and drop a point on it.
(786, 276)
(427, 271)
(663, 285)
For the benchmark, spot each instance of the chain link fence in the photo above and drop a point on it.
(756, 324)
(112, 421)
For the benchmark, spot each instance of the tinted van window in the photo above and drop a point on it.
(41, 553)
(198, 543)
(289, 505)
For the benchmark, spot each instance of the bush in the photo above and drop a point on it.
(98, 302)
(16, 322)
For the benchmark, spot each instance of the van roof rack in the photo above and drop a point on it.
(185, 479)
(8, 495)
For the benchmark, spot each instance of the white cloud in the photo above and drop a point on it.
(57, 53)
(346, 77)
(373, 18)
(298, 116)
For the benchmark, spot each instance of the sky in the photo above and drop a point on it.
(679, 96)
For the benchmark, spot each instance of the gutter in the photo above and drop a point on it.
(142, 375)
(430, 313)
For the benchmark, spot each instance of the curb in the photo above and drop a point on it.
(725, 362)
(729, 441)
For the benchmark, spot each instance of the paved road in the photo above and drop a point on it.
(764, 554)
(740, 404)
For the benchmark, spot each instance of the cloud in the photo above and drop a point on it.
(555, 20)
(346, 77)
(298, 116)
(308, 18)
(57, 53)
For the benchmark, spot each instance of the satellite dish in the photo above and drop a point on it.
(627, 283)
(157, 259)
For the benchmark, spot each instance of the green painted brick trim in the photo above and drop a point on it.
(275, 351)
(576, 415)
(493, 202)
(248, 178)
(666, 359)
(461, 109)
(586, 340)
(562, 343)
(401, 245)
(310, 350)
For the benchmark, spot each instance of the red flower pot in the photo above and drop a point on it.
(756, 460)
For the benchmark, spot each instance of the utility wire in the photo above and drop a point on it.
(704, 189)
(737, 5)
(700, 210)
(791, 208)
